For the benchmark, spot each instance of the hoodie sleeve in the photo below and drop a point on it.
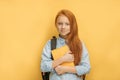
(46, 61)
(84, 65)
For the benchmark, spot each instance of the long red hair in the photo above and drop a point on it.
(74, 42)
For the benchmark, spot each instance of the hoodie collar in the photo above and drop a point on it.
(62, 40)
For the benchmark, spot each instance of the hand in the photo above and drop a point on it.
(60, 70)
(68, 57)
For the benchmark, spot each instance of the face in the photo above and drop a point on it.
(63, 25)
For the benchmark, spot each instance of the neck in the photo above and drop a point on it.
(62, 36)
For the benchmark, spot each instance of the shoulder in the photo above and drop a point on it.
(83, 43)
(84, 48)
(48, 43)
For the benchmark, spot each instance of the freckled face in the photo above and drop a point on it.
(63, 25)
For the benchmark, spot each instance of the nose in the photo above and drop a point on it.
(63, 26)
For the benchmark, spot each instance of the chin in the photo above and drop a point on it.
(63, 34)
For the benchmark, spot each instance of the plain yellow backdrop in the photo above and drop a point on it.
(25, 26)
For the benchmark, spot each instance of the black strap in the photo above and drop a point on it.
(53, 44)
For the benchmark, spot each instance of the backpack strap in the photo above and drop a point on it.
(53, 44)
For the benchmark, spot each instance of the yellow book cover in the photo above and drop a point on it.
(59, 52)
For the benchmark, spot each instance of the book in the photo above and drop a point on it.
(59, 52)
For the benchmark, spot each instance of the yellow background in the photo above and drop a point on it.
(25, 26)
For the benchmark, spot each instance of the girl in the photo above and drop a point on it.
(66, 25)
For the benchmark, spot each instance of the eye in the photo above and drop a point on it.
(59, 23)
(67, 24)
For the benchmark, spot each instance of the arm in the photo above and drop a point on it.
(47, 64)
(66, 58)
(84, 65)
(46, 61)
(65, 69)
(82, 68)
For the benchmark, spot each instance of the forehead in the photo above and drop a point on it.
(62, 18)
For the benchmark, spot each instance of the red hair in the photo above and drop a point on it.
(74, 42)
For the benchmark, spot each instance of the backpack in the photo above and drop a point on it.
(45, 75)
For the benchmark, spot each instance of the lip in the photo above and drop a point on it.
(62, 31)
